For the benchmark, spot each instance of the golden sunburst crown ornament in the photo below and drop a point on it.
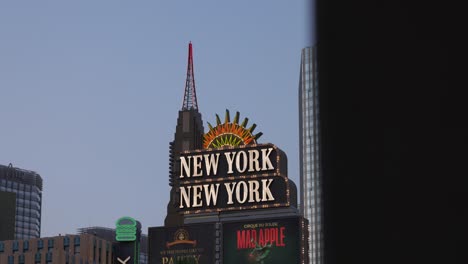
(230, 134)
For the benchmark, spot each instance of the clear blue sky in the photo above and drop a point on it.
(90, 92)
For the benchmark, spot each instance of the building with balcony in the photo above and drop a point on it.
(27, 186)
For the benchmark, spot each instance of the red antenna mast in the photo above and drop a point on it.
(190, 95)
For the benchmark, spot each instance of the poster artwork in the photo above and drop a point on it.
(262, 242)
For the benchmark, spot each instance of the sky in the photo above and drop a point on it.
(90, 93)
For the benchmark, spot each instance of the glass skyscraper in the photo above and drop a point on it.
(27, 185)
(310, 183)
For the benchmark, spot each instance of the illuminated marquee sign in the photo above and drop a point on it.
(233, 178)
(126, 229)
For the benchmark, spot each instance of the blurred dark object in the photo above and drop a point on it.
(394, 137)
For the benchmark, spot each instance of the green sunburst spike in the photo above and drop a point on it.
(210, 126)
(258, 135)
(236, 118)
(227, 118)
(252, 128)
(244, 123)
(218, 120)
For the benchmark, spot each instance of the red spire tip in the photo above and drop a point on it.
(190, 95)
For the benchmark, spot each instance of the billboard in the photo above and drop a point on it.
(232, 178)
(271, 241)
(185, 244)
(127, 235)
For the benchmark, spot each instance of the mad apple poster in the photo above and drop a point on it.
(262, 242)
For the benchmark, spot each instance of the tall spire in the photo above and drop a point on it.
(190, 95)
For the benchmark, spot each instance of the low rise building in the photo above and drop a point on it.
(68, 249)
(109, 235)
